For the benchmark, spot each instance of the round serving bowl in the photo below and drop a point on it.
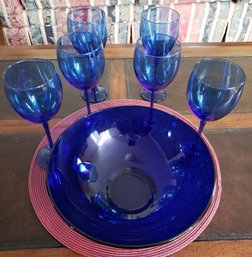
(122, 181)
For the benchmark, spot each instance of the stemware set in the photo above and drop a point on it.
(158, 20)
(34, 90)
(214, 88)
(156, 62)
(33, 87)
(215, 84)
(93, 20)
(81, 70)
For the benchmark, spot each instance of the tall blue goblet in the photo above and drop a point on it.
(88, 19)
(158, 20)
(34, 90)
(82, 71)
(214, 88)
(156, 62)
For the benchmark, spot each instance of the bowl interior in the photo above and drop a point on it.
(121, 181)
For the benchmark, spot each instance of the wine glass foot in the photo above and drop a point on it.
(44, 157)
(96, 95)
(146, 95)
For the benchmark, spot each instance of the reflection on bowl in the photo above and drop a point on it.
(122, 182)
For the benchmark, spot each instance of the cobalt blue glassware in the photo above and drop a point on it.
(88, 19)
(127, 187)
(156, 62)
(82, 71)
(158, 20)
(34, 90)
(214, 88)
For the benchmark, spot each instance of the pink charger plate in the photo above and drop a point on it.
(61, 231)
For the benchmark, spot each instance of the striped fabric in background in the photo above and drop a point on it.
(27, 22)
(240, 24)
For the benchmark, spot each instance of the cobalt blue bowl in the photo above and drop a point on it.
(121, 181)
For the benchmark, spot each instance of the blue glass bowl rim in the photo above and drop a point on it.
(96, 8)
(215, 164)
(161, 7)
(36, 60)
(208, 59)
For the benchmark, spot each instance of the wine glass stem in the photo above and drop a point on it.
(94, 90)
(201, 126)
(48, 134)
(87, 101)
(151, 106)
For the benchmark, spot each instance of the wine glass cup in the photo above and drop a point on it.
(82, 71)
(214, 88)
(158, 20)
(88, 19)
(156, 62)
(34, 90)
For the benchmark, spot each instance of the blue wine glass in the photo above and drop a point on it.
(214, 88)
(82, 71)
(158, 20)
(34, 90)
(156, 62)
(88, 19)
